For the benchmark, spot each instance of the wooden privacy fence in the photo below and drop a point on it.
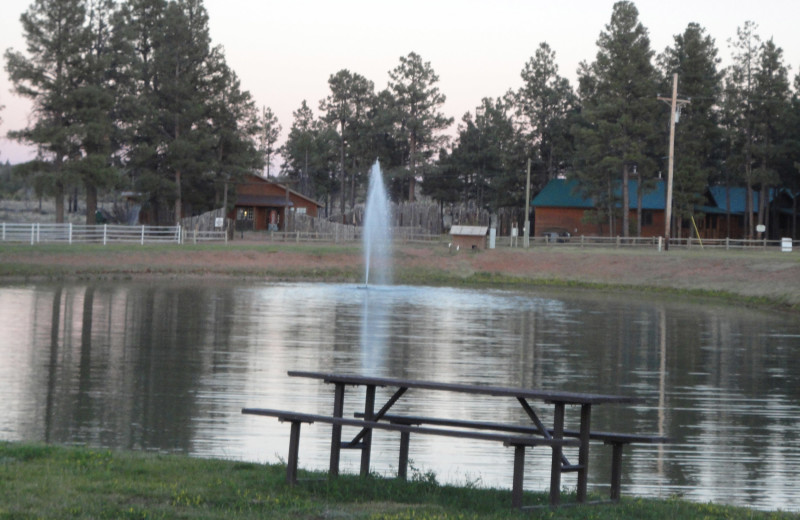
(36, 233)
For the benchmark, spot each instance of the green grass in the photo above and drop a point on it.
(43, 481)
(98, 262)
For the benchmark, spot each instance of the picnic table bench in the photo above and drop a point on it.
(519, 437)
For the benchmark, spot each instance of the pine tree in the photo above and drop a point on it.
(546, 102)
(618, 93)
(173, 80)
(772, 109)
(97, 122)
(268, 137)
(235, 127)
(56, 38)
(485, 164)
(739, 112)
(346, 108)
(310, 154)
(417, 115)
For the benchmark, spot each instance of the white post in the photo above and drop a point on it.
(526, 240)
(4, 231)
(33, 234)
(105, 234)
(70, 233)
(142, 239)
(38, 233)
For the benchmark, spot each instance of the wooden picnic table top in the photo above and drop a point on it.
(551, 396)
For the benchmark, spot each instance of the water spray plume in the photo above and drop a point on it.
(377, 233)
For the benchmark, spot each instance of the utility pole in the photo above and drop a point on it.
(675, 105)
(527, 239)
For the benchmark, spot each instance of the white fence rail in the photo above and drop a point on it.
(36, 233)
(728, 244)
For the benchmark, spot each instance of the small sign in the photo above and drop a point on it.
(514, 232)
(219, 222)
(761, 228)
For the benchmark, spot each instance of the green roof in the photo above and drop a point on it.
(564, 193)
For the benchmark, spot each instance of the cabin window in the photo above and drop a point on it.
(245, 214)
(300, 211)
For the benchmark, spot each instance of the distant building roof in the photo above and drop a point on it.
(565, 193)
(469, 230)
(257, 179)
(263, 201)
(738, 197)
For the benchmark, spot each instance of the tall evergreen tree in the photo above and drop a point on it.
(698, 158)
(546, 102)
(485, 166)
(310, 154)
(235, 127)
(96, 100)
(772, 106)
(268, 137)
(619, 130)
(346, 108)
(56, 37)
(417, 112)
(790, 175)
(739, 112)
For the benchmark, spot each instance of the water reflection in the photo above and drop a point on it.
(168, 366)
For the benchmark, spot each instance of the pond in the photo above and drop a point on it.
(167, 366)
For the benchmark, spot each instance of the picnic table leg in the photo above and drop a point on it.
(583, 453)
(519, 475)
(555, 469)
(336, 430)
(369, 415)
(616, 471)
(402, 464)
(294, 447)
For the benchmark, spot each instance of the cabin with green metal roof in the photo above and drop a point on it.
(561, 208)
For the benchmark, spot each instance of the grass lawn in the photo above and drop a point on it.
(43, 481)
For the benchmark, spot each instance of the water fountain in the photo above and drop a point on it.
(377, 233)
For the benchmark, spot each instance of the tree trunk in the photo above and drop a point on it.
(344, 176)
(178, 207)
(610, 204)
(91, 205)
(762, 205)
(59, 198)
(59, 191)
(413, 164)
(639, 197)
(748, 209)
(625, 203)
(353, 185)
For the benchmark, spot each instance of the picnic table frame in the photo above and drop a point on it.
(558, 399)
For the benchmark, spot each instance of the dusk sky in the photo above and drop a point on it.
(284, 51)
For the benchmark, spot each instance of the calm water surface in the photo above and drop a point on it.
(168, 367)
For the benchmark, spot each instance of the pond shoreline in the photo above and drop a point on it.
(760, 278)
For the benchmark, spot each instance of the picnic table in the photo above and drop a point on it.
(536, 433)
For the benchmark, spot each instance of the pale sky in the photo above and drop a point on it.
(284, 51)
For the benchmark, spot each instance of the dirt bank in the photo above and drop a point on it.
(753, 275)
